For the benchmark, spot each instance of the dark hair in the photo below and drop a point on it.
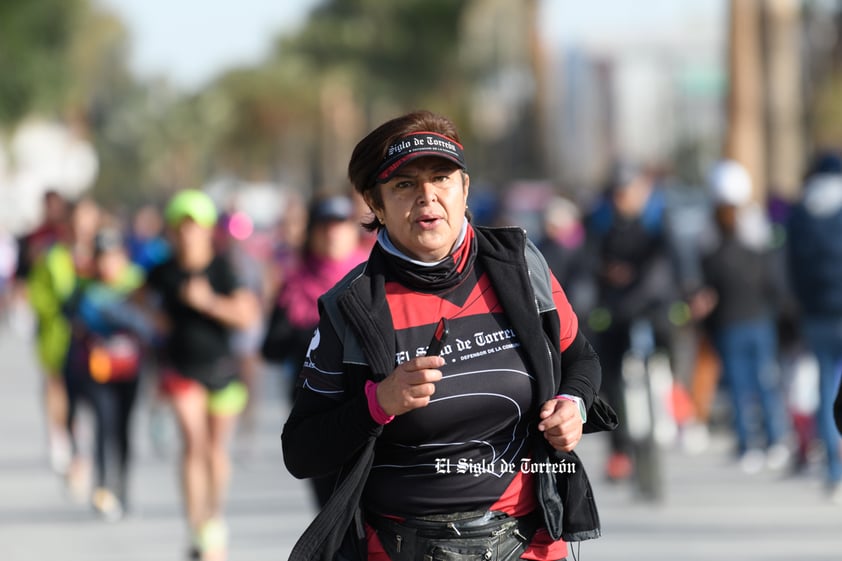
(329, 208)
(50, 194)
(371, 150)
(825, 161)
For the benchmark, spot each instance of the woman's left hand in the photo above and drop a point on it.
(561, 424)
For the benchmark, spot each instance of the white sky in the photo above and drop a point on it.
(193, 40)
(611, 21)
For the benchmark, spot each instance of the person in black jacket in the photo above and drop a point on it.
(636, 281)
(815, 259)
(443, 451)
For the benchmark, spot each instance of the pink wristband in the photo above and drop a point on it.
(380, 417)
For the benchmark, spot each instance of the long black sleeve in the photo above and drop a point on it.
(581, 373)
(322, 434)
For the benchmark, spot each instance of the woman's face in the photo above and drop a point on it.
(424, 207)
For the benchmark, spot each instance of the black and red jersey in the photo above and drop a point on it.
(460, 452)
(457, 451)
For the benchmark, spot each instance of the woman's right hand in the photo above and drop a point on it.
(410, 385)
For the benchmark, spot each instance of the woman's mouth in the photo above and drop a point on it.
(428, 222)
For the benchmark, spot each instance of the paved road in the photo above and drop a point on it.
(712, 512)
(38, 521)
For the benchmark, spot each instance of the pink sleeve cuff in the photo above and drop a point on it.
(380, 417)
(583, 412)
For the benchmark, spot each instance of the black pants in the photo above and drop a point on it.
(112, 404)
(612, 345)
(75, 384)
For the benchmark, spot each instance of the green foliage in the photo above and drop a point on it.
(392, 56)
(35, 37)
(68, 59)
(260, 105)
(395, 52)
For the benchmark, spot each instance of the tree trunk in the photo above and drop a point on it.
(785, 112)
(745, 137)
(341, 126)
(539, 109)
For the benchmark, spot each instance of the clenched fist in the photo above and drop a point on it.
(561, 424)
(410, 385)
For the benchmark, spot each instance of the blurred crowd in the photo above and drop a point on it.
(180, 305)
(743, 299)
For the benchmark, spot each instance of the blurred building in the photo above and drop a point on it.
(581, 117)
(41, 155)
(653, 97)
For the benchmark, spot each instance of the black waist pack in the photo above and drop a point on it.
(473, 536)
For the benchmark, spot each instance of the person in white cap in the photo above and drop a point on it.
(737, 304)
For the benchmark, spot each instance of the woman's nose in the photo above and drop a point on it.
(428, 192)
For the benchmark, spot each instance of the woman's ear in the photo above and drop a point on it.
(466, 181)
(369, 200)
